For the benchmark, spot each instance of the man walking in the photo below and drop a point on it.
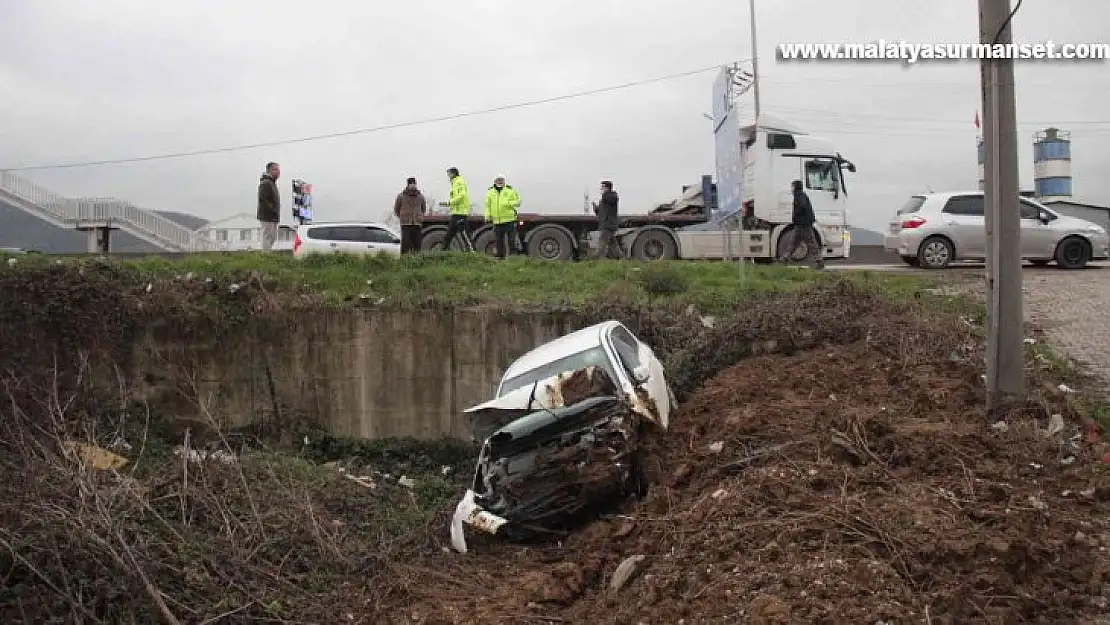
(606, 210)
(803, 233)
(410, 208)
(459, 204)
(269, 205)
(502, 202)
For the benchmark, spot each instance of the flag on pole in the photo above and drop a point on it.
(977, 120)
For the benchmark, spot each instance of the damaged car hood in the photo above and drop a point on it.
(558, 391)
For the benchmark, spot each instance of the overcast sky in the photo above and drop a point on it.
(117, 78)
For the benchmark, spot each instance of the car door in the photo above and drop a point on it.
(382, 240)
(320, 239)
(963, 219)
(347, 239)
(1038, 239)
(636, 355)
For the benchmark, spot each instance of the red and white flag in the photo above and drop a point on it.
(977, 120)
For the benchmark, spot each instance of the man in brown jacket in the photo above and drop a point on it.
(410, 208)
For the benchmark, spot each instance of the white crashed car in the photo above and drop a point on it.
(562, 434)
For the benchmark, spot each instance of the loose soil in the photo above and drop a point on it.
(853, 486)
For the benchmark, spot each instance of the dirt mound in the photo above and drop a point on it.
(852, 484)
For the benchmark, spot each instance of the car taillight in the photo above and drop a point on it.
(296, 243)
(913, 222)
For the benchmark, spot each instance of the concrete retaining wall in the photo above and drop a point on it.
(366, 374)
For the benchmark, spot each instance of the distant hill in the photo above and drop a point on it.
(31, 233)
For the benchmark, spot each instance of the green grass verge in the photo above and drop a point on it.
(454, 278)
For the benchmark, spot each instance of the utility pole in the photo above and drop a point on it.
(1005, 348)
(755, 61)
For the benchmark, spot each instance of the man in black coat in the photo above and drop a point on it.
(606, 209)
(802, 232)
(269, 205)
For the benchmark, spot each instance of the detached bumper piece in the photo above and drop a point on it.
(549, 471)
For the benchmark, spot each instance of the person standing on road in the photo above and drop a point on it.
(269, 205)
(606, 210)
(803, 232)
(458, 202)
(502, 202)
(410, 208)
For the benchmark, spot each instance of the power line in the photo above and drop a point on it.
(361, 131)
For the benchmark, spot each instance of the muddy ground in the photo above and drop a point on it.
(855, 484)
(844, 471)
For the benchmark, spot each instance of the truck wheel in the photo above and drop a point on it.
(551, 243)
(432, 239)
(484, 243)
(652, 245)
(1073, 253)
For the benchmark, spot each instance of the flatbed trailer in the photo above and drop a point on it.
(663, 234)
(568, 237)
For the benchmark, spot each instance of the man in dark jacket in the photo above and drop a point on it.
(410, 209)
(606, 210)
(802, 232)
(269, 205)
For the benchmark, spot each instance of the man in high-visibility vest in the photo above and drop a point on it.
(502, 202)
(459, 203)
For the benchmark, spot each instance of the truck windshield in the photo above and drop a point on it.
(822, 175)
(594, 356)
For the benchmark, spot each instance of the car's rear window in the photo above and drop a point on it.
(913, 205)
(595, 356)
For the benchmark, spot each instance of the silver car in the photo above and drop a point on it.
(935, 229)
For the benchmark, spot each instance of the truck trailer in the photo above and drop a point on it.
(772, 155)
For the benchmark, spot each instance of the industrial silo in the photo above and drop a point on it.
(1052, 164)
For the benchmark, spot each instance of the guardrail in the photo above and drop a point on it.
(146, 224)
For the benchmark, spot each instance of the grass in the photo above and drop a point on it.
(455, 278)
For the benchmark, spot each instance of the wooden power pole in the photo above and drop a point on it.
(1005, 348)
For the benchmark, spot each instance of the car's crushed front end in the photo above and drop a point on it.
(554, 453)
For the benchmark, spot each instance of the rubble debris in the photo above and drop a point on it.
(627, 571)
(201, 455)
(96, 457)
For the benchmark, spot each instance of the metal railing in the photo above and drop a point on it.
(146, 224)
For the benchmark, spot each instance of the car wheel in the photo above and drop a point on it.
(1073, 253)
(911, 261)
(935, 253)
(1040, 263)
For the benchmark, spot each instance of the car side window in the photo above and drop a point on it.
(965, 205)
(627, 348)
(1030, 210)
(377, 235)
(346, 233)
(321, 233)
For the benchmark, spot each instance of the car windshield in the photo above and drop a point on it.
(912, 205)
(595, 356)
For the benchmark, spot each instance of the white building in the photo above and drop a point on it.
(242, 232)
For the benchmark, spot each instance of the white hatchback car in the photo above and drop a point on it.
(934, 229)
(345, 237)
